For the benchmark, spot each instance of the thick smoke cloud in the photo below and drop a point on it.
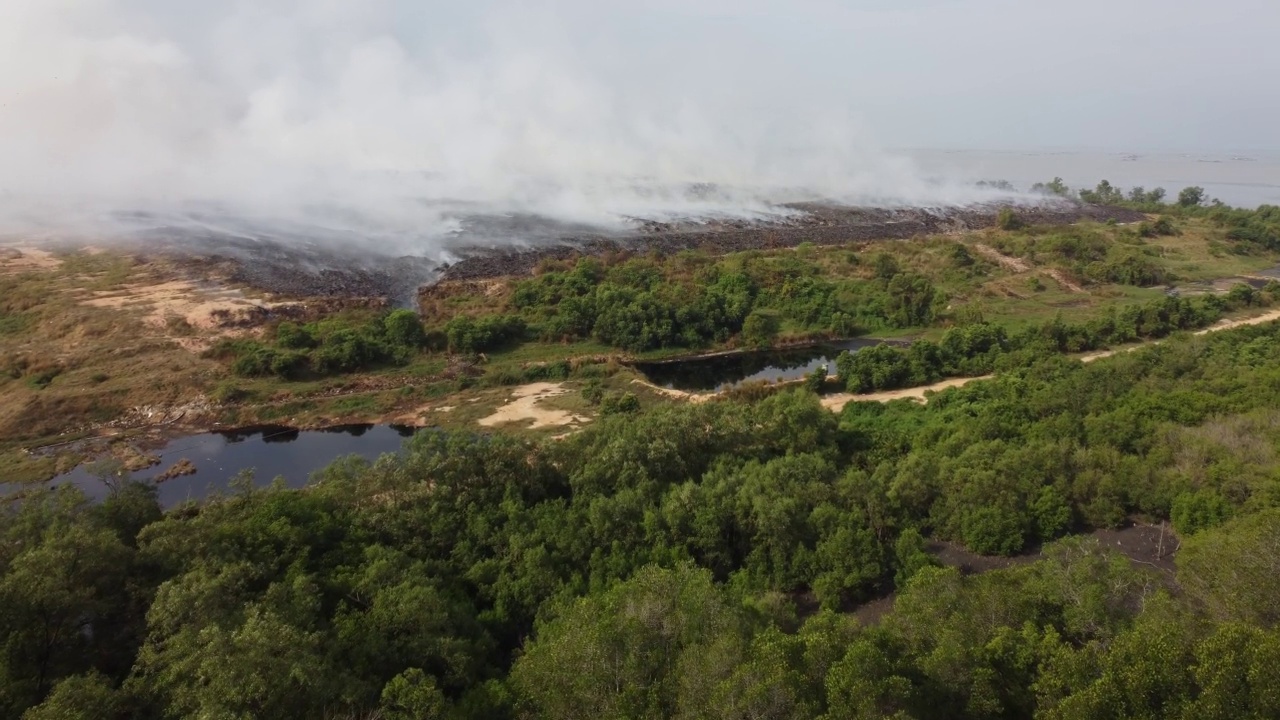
(397, 124)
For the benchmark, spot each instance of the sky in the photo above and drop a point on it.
(274, 106)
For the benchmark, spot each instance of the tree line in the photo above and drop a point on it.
(980, 348)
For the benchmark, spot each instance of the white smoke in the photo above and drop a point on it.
(391, 125)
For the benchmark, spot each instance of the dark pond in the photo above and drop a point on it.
(268, 451)
(725, 371)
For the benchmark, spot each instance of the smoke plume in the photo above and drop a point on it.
(406, 128)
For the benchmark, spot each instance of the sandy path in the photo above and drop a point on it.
(837, 402)
(693, 397)
(1062, 280)
(1007, 261)
(524, 406)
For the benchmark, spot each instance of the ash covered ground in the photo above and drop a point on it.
(300, 265)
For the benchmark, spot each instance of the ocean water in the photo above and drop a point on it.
(1241, 179)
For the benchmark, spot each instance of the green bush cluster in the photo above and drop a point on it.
(634, 307)
(327, 347)
(466, 334)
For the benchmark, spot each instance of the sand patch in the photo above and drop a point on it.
(1006, 261)
(836, 403)
(692, 397)
(21, 259)
(416, 416)
(211, 312)
(1217, 327)
(524, 405)
(1229, 324)
(1064, 281)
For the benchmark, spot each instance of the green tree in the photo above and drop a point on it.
(80, 697)
(412, 695)
(1191, 196)
(761, 327)
(616, 654)
(402, 327)
(1234, 570)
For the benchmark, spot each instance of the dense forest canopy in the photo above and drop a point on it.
(700, 561)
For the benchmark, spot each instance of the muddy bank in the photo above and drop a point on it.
(819, 224)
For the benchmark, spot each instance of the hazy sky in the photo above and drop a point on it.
(264, 102)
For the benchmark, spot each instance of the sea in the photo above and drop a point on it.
(1244, 179)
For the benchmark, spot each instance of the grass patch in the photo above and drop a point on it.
(17, 467)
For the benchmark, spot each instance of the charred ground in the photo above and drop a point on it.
(299, 267)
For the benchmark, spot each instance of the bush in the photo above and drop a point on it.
(228, 393)
(344, 351)
(593, 392)
(761, 327)
(619, 403)
(289, 365)
(1007, 219)
(816, 380)
(1200, 510)
(469, 335)
(1162, 227)
(994, 531)
(402, 327)
(292, 336)
(558, 370)
(253, 360)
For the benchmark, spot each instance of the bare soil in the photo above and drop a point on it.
(22, 258)
(525, 405)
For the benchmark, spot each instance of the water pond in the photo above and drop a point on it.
(720, 372)
(269, 452)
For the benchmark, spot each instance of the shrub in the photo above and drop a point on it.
(253, 360)
(228, 393)
(292, 336)
(1007, 219)
(886, 267)
(761, 327)
(619, 403)
(558, 370)
(402, 327)
(593, 392)
(815, 381)
(467, 334)
(1199, 510)
(993, 531)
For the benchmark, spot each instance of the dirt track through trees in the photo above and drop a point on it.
(836, 402)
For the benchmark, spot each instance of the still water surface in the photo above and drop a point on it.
(268, 452)
(721, 372)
